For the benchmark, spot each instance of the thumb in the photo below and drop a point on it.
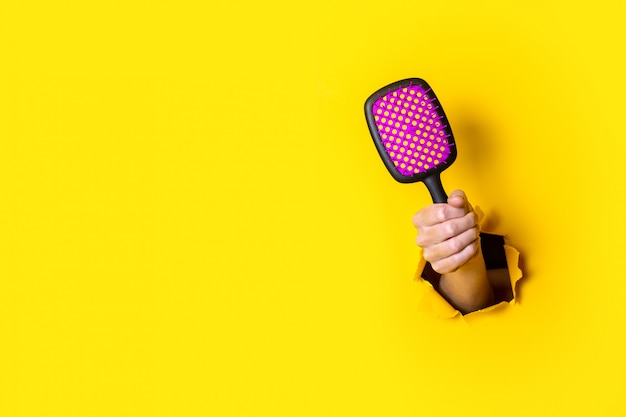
(458, 199)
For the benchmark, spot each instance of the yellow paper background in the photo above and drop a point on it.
(193, 219)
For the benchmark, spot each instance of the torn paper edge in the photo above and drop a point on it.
(430, 301)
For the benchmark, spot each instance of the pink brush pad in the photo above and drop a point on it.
(412, 131)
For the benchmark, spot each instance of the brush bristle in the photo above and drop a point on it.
(412, 130)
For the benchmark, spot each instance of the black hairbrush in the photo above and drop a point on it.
(412, 133)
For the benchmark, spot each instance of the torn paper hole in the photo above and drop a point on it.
(502, 261)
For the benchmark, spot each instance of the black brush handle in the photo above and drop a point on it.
(433, 183)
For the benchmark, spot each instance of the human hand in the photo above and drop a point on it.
(448, 233)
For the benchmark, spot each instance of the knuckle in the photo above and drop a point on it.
(439, 267)
(440, 213)
(449, 229)
(455, 245)
(416, 220)
(423, 237)
(458, 260)
(429, 254)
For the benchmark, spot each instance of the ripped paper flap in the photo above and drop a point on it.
(431, 302)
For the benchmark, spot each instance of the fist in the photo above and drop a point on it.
(448, 233)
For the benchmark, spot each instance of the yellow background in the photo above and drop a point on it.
(194, 221)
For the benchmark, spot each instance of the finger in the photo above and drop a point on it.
(435, 214)
(451, 246)
(441, 232)
(456, 261)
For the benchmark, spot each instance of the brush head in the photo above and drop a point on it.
(410, 130)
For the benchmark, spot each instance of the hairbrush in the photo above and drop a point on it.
(412, 134)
